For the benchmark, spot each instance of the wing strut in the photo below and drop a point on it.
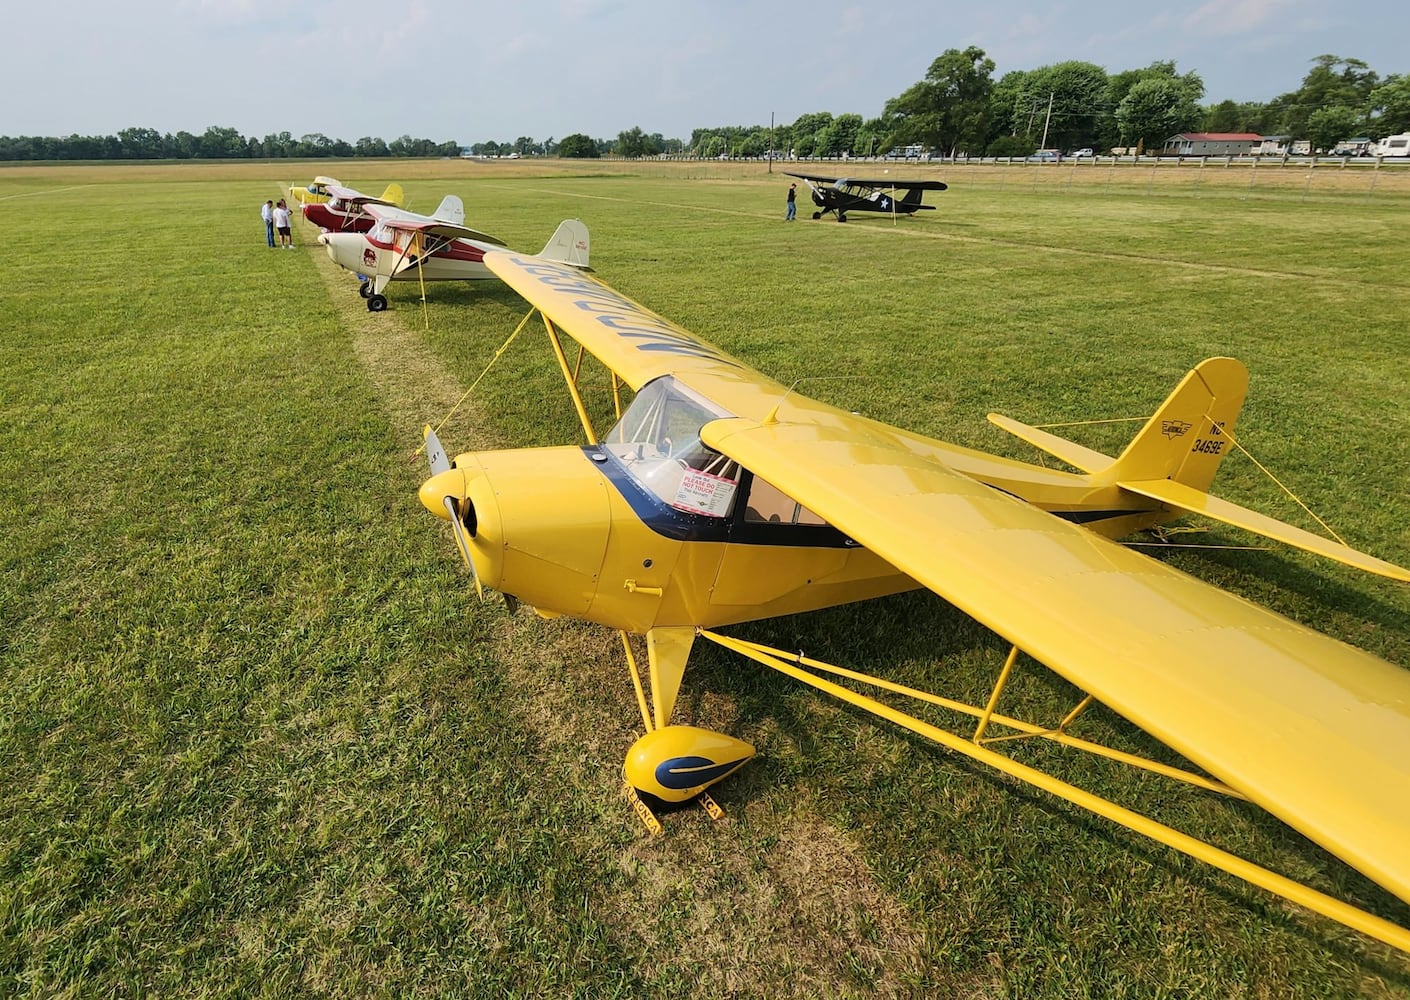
(569, 377)
(792, 665)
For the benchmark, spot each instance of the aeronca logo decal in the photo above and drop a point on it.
(620, 315)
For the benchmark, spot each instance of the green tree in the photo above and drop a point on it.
(634, 144)
(140, 143)
(806, 131)
(950, 109)
(1076, 92)
(221, 143)
(1327, 127)
(1005, 101)
(577, 147)
(1108, 128)
(839, 136)
(1389, 107)
(1011, 145)
(1155, 109)
(1333, 81)
(370, 146)
(1223, 117)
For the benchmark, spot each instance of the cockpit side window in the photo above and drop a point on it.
(767, 504)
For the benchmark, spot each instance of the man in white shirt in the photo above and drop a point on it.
(266, 212)
(281, 223)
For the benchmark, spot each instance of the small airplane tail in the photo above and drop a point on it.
(1176, 454)
(394, 195)
(451, 209)
(912, 197)
(569, 244)
(1184, 441)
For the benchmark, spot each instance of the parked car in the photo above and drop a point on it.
(1079, 153)
(1045, 156)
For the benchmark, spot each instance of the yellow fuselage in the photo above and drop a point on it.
(568, 531)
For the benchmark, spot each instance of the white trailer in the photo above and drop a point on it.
(1394, 145)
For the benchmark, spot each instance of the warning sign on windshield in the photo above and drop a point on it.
(702, 493)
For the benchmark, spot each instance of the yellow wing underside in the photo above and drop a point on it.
(1298, 722)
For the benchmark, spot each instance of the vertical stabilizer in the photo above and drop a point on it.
(394, 195)
(568, 244)
(1187, 437)
(451, 209)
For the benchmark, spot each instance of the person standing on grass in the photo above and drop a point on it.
(281, 222)
(792, 203)
(266, 212)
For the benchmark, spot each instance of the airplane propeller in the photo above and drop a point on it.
(462, 540)
(462, 524)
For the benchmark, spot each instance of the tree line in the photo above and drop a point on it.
(957, 109)
(216, 143)
(960, 109)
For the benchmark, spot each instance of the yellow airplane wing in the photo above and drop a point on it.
(628, 338)
(1309, 728)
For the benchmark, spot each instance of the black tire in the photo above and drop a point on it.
(376, 303)
(817, 215)
(364, 289)
(841, 217)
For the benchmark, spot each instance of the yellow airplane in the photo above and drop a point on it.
(316, 193)
(721, 496)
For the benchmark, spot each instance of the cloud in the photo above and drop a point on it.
(1222, 18)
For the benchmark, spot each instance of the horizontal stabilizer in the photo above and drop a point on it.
(1197, 502)
(1073, 454)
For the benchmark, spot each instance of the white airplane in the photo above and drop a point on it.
(403, 246)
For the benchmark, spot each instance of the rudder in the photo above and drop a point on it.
(1188, 436)
(451, 209)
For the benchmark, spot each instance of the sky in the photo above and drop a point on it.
(477, 70)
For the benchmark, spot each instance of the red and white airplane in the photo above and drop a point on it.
(403, 246)
(346, 209)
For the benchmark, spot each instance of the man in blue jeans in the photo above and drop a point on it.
(266, 212)
(792, 203)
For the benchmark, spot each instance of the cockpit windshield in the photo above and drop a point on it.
(658, 440)
(379, 232)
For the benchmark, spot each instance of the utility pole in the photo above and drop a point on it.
(1049, 118)
(771, 142)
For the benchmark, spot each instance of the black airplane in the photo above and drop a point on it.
(843, 195)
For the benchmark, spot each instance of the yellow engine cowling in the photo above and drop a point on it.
(677, 763)
(538, 521)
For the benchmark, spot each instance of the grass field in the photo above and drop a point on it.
(257, 738)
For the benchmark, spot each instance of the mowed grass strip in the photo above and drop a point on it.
(259, 739)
